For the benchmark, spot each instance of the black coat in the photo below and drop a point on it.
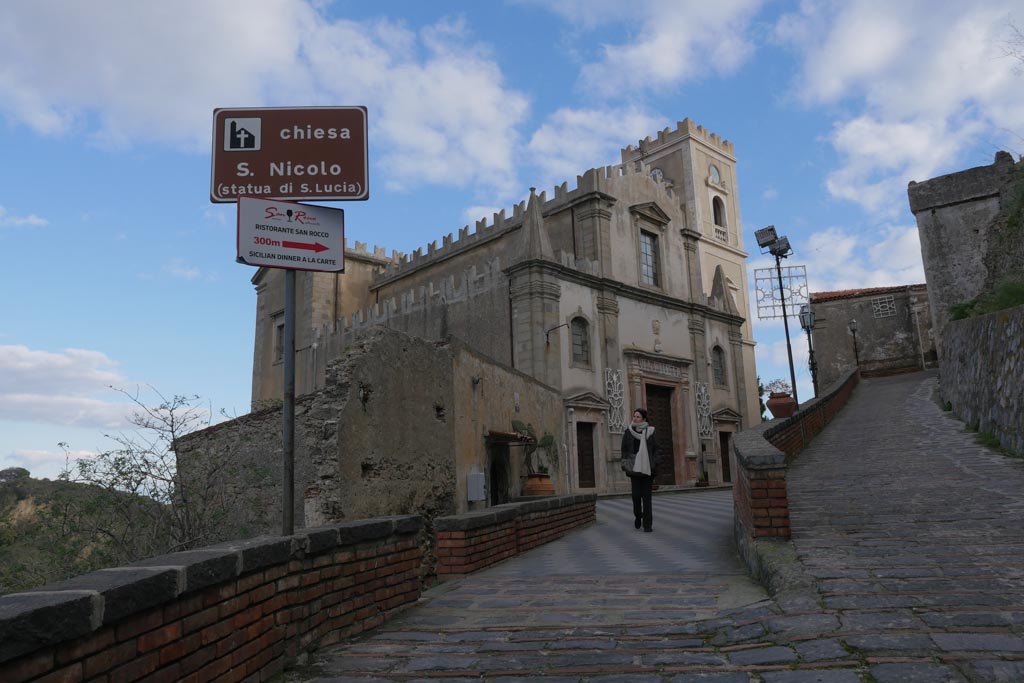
(630, 447)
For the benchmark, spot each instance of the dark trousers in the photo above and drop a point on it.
(641, 489)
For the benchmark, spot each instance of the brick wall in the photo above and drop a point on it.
(474, 540)
(234, 612)
(759, 492)
(791, 434)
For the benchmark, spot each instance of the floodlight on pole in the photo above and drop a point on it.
(769, 241)
(765, 236)
(781, 247)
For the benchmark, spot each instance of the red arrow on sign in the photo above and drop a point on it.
(305, 245)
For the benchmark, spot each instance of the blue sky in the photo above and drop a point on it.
(119, 271)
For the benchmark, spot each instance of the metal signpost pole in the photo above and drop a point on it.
(277, 234)
(288, 407)
(262, 157)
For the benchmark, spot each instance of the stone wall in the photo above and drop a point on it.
(472, 308)
(971, 225)
(890, 339)
(982, 374)
(388, 434)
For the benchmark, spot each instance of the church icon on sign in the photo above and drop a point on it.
(242, 135)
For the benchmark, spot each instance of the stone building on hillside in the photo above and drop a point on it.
(893, 331)
(971, 225)
(627, 290)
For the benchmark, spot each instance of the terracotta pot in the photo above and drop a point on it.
(781, 404)
(538, 484)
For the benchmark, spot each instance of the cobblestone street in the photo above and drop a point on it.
(909, 537)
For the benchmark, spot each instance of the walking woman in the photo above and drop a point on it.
(639, 461)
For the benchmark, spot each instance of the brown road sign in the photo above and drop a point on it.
(290, 153)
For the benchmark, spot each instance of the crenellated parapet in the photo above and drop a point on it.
(684, 129)
(595, 180)
(448, 290)
(378, 254)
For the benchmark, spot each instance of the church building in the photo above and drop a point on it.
(627, 290)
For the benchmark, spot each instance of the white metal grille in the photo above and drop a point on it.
(883, 306)
(769, 296)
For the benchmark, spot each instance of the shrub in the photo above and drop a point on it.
(1006, 294)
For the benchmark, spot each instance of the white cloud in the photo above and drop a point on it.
(73, 370)
(31, 220)
(674, 41)
(770, 194)
(178, 269)
(929, 80)
(438, 110)
(471, 214)
(838, 259)
(42, 464)
(572, 140)
(70, 411)
(56, 388)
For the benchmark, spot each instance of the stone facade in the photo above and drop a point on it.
(983, 374)
(629, 289)
(971, 225)
(894, 331)
(374, 443)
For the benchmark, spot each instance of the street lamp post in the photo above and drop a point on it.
(853, 331)
(807, 322)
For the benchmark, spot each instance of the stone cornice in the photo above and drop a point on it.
(629, 291)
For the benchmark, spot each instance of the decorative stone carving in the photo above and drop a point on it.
(615, 394)
(703, 398)
(654, 367)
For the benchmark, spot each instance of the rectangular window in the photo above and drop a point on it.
(648, 258)
(580, 341)
(883, 306)
(278, 338)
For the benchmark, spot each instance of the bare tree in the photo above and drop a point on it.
(163, 510)
(1013, 46)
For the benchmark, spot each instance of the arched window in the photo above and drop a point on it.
(718, 365)
(719, 208)
(580, 341)
(713, 175)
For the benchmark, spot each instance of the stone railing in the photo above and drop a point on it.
(982, 372)
(474, 540)
(232, 612)
(759, 492)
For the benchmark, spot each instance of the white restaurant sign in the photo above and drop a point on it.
(278, 234)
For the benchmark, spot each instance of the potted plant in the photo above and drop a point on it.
(538, 478)
(780, 398)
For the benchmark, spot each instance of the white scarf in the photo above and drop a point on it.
(642, 464)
